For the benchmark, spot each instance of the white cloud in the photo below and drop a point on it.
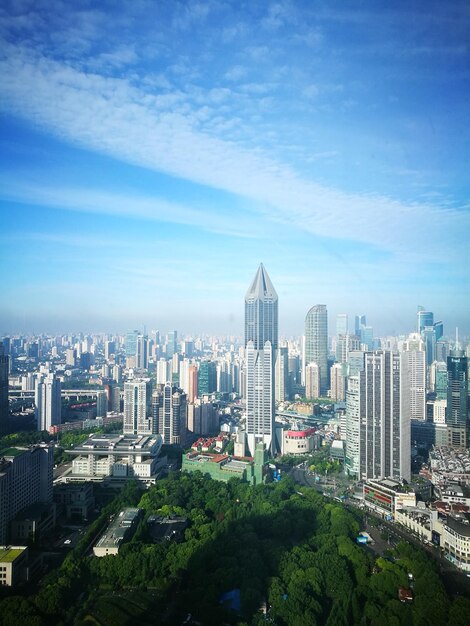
(112, 116)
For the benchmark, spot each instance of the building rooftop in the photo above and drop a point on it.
(119, 444)
(116, 531)
(11, 452)
(8, 555)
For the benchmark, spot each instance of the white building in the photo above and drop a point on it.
(137, 402)
(47, 401)
(413, 378)
(312, 381)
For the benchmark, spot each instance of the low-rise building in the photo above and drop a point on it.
(387, 495)
(223, 466)
(117, 458)
(119, 530)
(75, 499)
(423, 522)
(13, 565)
(456, 541)
(298, 441)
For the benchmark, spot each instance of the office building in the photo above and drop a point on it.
(131, 343)
(4, 406)
(169, 410)
(312, 381)
(25, 479)
(171, 343)
(338, 382)
(261, 344)
(457, 399)
(316, 342)
(47, 401)
(378, 441)
(203, 418)
(141, 355)
(341, 324)
(137, 403)
(281, 375)
(413, 378)
(115, 459)
(207, 378)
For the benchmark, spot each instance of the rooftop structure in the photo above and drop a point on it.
(117, 458)
(13, 560)
(121, 529)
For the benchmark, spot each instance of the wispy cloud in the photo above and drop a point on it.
(114, 117)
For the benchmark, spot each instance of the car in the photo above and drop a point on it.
(67, 542)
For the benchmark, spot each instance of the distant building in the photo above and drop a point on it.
(47, 401)
(169, 411)
(457, 399)
(312, 381)
(316, 342)
(207, 378)
(137, 407)
(4, 407)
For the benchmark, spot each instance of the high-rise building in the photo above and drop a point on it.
(25, 479)
(359, 320)
(137, 402)
(47, 401)
(457, 399)
(261, 344)
(169, 409)
(425, 318)
(4, 406)
(131, 343)
(101, 404)
(413, 378)
(141, 355)
(312, 381)
(171, 343)
(338, 382)
(282, 374)
(341, 324)
(207, 378)
(109, 349)
(316, 342)
(203, 418)
(378, 441)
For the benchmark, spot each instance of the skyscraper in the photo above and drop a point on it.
(316, 342)
(261, 343)
(137, 401)
(207, 378)
(4, 407)
(169, 410)
(457, 399)
(413, 378)
(378, 430)
(141, 355)
(47, 400)
(341, 324)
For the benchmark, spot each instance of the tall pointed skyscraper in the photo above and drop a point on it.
(261, 330)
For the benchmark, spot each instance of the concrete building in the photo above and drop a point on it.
(4, 406)
(386, 496)
(413, 378)
(13, 565)
(76, 500)
(281, 374)
(338, 382)
(47, 401)
(120, 530)
(261, 344)
(116, 459)
(203, 418)
(169, 413)
(298, 442)
(378, 431)
(25, 479)
(316, 342)
(312, 381)
(456, 541)
(457, 399)
(137, 407)
(224, 467)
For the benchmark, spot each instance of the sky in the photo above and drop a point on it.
(153, 153)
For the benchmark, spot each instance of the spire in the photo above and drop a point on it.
(261, 287)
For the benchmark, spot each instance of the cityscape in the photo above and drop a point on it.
(235, 313)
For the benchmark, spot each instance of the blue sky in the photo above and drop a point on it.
(153, 153)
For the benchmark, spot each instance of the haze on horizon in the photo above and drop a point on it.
(152, 154)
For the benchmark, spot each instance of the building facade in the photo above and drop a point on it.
(261, 344)
(316, 342)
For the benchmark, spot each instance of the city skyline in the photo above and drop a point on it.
(154, 153)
